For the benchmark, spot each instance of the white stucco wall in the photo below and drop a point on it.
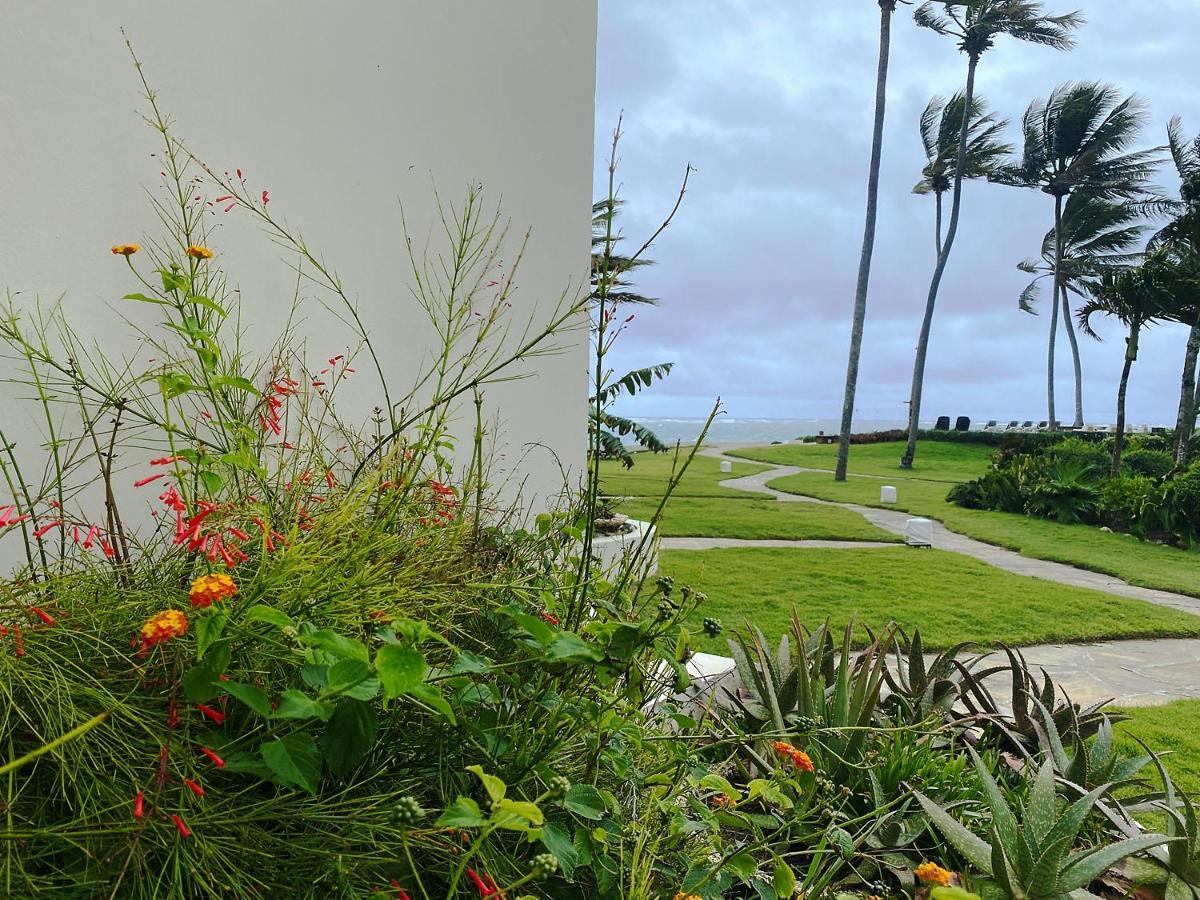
(340, 110)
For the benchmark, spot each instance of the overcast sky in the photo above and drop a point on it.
(771, 102)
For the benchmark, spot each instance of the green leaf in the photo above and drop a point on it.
(297, 705)
(495, 787)
(352, 677)
(556, 839)
(200, 683)
(294, 760)
(973, 848)
(349, 736)
(584, 800)
(743, 865)
(270, 615)
(1086, 866)
(211, 480)
(516, 815)
(783, 880)
(462, 813)
(951, 893)
(715, 782)
(570, 647)
(144, 299)
(209, 303)
(338, 645)
(431, 695)
(173, 281)
(401, 669)
(252, 696)
(208, 630)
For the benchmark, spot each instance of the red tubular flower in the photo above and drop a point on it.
(46, 618)
(329, 478)
(92, 534)
(486, 885)
(215, 715)
(211, 754)
(46, 529)
(194, 787)
(238, 533)
(18, 642)
(139, 805)
(265, 198)
(401, 893)
(107, 548)
(151, 478)
(184, 831)
(165, 460)
(223, 198)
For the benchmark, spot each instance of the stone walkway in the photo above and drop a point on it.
(1133, 673)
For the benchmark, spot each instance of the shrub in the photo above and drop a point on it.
(1183, 503)
(1128, 503)
(1065, 491)
(1081, 454)
(1145, 461)
(995, 490)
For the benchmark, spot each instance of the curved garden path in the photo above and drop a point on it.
(1135, 673)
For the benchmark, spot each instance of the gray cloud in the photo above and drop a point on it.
(772, 103)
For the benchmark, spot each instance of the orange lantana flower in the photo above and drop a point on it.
(799, 758)
(207, 589)
(196, 251)
(932, 873)
(125, 249)
(161, 627)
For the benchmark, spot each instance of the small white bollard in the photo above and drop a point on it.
(918, 533)
(726, 466)
(887, 494)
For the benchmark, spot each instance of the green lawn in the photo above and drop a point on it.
(1147, 565)
(951, 597)
(1174, 727)
(652, 471)
(764, 519)
(935, 460)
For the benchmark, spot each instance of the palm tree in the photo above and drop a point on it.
(886, 9)
(1076, 141)
(1183, 235)
(1098, 238)
(941, 125)
(1136, 297)
(976, 24)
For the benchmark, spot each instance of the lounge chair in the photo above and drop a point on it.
(1042, 426)
(1027, 425)
(962, 423)
(992, 425)
(942, 424)
(1013, 425)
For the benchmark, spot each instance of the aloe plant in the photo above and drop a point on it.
(921, 689)
(1174, 867)
(1089, 764)
(810, 681)
(1030, 856)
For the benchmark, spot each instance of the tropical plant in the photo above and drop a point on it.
(612, 291)
(1136, 297)
(1088, 765)
(1030, 852)
(976, 24)
(887, 9)
(1182, 234)
(1076, 141)
(940, 128)
(922, 688)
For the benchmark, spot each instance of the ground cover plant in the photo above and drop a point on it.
(651, 474)
(951, 598)
(765, 519)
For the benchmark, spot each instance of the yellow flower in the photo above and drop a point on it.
(207, 589)
(932, 873)
(196, 251)
(125, 249)
(161, 627)
(680, 895)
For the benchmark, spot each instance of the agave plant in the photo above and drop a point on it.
(1174, 867)
(1031, 855)
(1019, 729)
(810, 682)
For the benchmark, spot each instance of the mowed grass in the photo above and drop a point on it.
(651, 473)
(950, 597)
(935, 460)
(1174, 731)
(1121, 555)
(764, 519)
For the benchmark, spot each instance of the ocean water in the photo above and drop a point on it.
(726, 429)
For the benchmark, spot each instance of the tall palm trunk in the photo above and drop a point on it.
(1066, 311)
(1185, 422)
(937, 223)
(886, 9)
(1131, 351)
(1058, 255)
(918, 382)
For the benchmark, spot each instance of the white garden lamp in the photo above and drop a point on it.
(887, 494)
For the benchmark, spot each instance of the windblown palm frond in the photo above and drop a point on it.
(604, 214)
(941, 127)
(976, 23)
(1184, 227)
